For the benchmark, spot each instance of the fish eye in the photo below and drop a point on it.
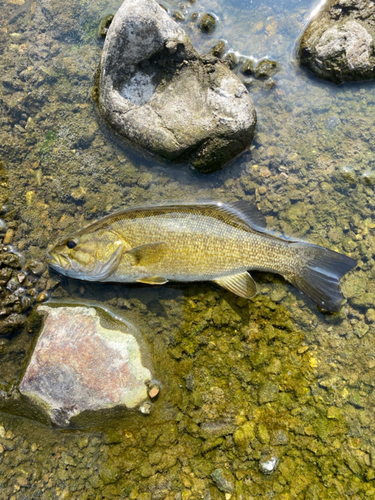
(71, 244)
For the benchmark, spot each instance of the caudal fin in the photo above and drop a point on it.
(319, 277)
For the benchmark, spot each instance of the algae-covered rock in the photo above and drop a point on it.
(223, 480)
(4, 189)
(208, 23)
(104, 25)
(156, 90)
(84, 361)
(337, 44)
(268, 392)
(244, 435)
(265, 68)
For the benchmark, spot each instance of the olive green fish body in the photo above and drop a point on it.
(206, 242)
(195, 248)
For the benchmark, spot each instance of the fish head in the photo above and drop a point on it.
(88, 255)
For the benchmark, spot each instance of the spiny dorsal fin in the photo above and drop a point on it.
(240, 284)
(153, 280)
(148, 254)
(250, 212)
(252, 219)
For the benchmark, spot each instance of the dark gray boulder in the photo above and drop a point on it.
(338, 43)
(154, 89)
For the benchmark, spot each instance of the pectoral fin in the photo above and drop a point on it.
(153, 280)
(148, 254)
(240, 284)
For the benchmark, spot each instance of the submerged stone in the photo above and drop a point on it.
(84, 362)
(218, 50)
(4, 188)
(12, 324)
(104, 25)
(154, 89)
(337, 44)
(208, 23)
(268, 466)
(223, 480)
(265, 68)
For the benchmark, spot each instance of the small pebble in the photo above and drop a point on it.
(3, 345)
(104, 25)
(248, 67)
(12, 286)
(268, 466)
(146, 408)
(36, 267)
(3, 226)
(8, 236)
(154, 391)
(21, 277)
(178, 16)
(264, 172)
(303, 349)
(208, 23)
(219, 49)
(42, 297)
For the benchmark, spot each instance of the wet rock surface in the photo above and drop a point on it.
(83, 363)
(155, 90)
(337, 44)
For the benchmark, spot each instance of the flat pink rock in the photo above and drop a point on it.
(80, 363)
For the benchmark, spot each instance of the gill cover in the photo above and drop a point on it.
(106, 262)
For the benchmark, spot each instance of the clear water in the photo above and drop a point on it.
(244, 382)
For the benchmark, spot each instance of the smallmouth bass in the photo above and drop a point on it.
(198, 242)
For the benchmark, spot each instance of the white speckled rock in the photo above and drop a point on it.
(83, 363)
(156, 90)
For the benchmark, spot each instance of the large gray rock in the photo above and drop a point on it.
(338, 43)
(84, 361)
(155, 90)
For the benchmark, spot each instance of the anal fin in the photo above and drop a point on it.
(241, 284)
(153, 280)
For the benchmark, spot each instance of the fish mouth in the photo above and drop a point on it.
(57, 261)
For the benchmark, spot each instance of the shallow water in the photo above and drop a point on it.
(243, 382)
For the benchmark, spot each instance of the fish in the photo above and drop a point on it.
(207, 241)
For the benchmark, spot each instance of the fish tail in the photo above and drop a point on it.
(319, 276)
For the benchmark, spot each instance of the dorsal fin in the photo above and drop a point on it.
(250, 218)
(241, 214)
(250, 212)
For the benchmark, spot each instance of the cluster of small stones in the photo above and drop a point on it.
(239, 408)
(19, 288)
(246, 67)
